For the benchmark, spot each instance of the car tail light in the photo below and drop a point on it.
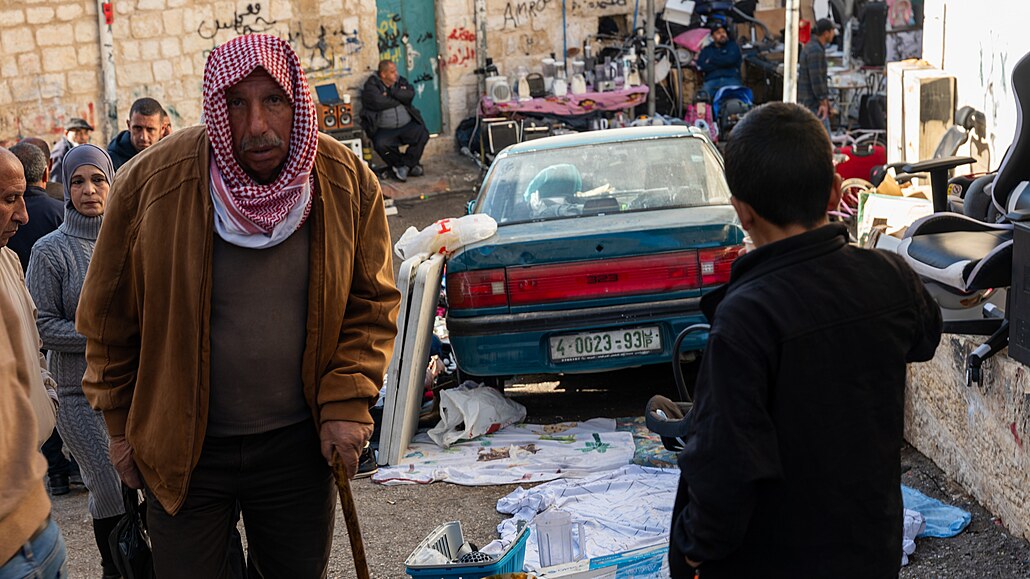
(653, 274)
(715, 264)
(476, 289)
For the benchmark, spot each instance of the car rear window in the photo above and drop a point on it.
(604, 179)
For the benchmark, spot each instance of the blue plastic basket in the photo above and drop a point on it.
(447, 539)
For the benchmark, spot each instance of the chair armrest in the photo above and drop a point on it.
(932, 164)
(951, 222)
(1018, 215)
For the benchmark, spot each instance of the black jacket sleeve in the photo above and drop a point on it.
(402, 91)
(375, 96)
(732, 448)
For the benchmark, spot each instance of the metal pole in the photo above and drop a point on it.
(790, 53)
(109, 127)
(649, 31)
(480, 11)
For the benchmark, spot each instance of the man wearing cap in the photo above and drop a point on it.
(147, 124)
(236, 349)
(813, 91)
(76, 132)
(720, 61)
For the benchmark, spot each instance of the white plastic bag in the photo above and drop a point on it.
(446, 235)
(472, 410)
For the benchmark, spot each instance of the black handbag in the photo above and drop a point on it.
(130, 546)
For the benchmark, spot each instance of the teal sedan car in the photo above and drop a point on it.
(605, 243)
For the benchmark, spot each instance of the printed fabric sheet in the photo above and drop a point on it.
(521, 453)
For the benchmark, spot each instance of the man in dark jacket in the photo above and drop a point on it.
(77, 132)
(813, 91)
(391, 121)
(45, 213)
(148, 123)
(792, 463)
(720, 61)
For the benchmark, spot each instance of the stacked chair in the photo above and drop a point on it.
(964, 257)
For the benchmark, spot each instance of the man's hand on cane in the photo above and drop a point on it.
(347, 439)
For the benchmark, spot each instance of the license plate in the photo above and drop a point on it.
(594, 345)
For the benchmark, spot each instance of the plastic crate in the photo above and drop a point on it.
(448, 538)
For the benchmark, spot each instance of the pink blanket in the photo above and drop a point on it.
(570, 104)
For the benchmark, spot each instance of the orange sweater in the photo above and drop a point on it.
(24, 504)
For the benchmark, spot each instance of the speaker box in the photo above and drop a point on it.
(874, 32)
(329, 117)
(344, 116)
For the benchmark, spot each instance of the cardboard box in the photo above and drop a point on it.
(929, 108)
(895, 109)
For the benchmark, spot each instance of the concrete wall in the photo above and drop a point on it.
(979, 42)
(979, 436)
(50, 59)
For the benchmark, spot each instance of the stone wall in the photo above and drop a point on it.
(977, 435)
(49, 65)
(50, 62)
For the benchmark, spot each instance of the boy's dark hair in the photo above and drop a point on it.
(32, 160)
(147, 107)
(779, 160)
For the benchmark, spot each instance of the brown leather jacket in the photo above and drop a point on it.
(146, 303)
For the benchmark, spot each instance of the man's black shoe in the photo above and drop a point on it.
(58, 484)
(367, 463)
(401, 173)
(416, 171)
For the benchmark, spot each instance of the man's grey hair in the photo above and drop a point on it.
(33, 160)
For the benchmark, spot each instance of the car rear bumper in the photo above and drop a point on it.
(512, 344)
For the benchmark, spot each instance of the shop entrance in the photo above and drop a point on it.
(407, 36)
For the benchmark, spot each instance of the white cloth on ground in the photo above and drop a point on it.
(521, 453)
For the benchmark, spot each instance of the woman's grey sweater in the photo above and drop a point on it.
(57, 268)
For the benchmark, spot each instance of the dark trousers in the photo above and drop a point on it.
(387, 143)
(53, 450)
(285, 491)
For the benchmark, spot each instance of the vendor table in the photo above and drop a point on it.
(569, 105)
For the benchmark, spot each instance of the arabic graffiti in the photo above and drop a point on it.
(325, 51)
(461, 49)
(518, 13)
(248, 22)
(598, 4)
(389, 38)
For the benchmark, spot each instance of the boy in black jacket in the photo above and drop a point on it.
(792, 465)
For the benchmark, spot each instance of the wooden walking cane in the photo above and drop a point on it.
(350, 516)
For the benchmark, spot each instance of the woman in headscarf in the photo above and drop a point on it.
(56, 271)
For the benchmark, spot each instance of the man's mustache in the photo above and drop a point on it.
(262, 142)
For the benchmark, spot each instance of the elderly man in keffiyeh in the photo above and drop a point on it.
(239, 314)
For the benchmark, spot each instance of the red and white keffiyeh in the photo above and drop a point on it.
(244, 207)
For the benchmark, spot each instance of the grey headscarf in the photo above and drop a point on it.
(87, 154)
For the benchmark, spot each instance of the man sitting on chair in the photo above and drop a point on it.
(720, 61)
(390, 120)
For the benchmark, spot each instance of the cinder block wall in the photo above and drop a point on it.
(978, 435)
(50, 67)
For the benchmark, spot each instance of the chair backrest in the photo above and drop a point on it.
(1015, 167)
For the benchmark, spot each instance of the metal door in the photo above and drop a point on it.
(407, 36)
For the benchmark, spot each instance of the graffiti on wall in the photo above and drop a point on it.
(249, 21)
(397, 46)
(518, 13)
(596, 5)
(325, 50)
(461, 47)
